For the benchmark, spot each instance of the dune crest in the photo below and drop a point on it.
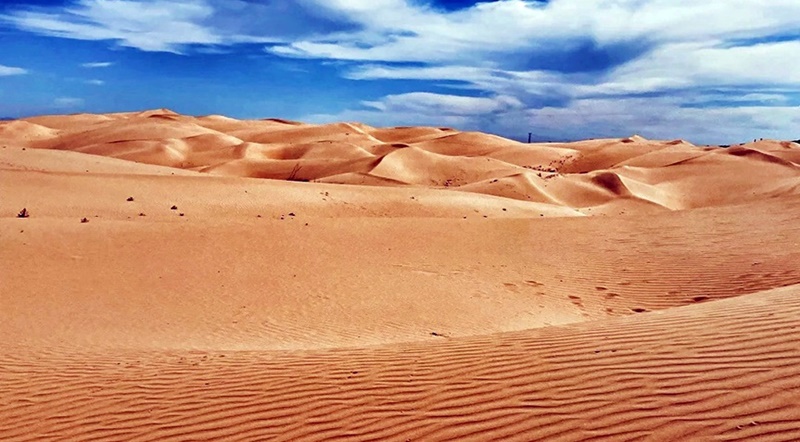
(353, 153)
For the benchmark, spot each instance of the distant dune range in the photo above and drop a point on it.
(603, 175)
(413, 283)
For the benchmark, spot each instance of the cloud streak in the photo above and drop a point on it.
(428, 103)
(68, 103)
(7, 71)
(149, 26)
(175, 25)
(98, 64)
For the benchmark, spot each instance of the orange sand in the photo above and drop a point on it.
(392, 284)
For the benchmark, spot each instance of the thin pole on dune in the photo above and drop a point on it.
(529, 137)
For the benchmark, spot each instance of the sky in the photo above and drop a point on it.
(711, 71)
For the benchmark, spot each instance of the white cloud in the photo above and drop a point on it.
(174, 25)
(397, 30)
(429, 103)
(699, 70)
(664, 118)
(68, 102)
(494, 81)
(98, 64)
(764, 98)
(689, 44)
(150, 26)
(95, 82)
(7, 71)
(686, 65)
(655, 118)
(453, 72)
(672, 21)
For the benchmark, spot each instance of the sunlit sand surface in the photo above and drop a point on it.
(250, 280)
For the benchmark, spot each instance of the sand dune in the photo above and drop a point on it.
(723, 370)
(205, 278)
(602, 175)
(24, 133)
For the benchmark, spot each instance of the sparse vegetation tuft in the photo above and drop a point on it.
(23, 213)
(293, 174)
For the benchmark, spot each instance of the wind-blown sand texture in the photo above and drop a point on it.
(392, 284)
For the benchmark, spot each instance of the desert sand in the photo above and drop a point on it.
(205, 278)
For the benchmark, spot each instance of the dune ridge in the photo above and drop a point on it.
(623, 174)
(207, 278)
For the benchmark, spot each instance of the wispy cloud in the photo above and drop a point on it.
(151, 26)
(664, 118)
(175, 25)
(7, 71)
(97, 64)
(682, 65)
(430, 103)
(706, 71)
(66, 103)
(656, 118)
(95, 82)
(397, 30)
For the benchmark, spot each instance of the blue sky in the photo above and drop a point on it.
(716, 71)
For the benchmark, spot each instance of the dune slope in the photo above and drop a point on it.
(661, 173)
(722, 370)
